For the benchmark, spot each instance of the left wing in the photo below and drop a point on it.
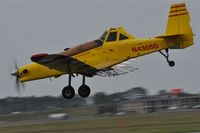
(64, 63)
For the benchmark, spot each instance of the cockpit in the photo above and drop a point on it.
(114, 34)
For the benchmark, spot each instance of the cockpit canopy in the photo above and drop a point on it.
(115, 34)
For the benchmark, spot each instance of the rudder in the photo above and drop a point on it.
(178, 20)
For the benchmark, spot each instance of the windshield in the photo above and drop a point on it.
(103, 36)
(112, 37)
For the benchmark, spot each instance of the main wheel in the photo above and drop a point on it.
(171, 63)
(68, 92)
(84, 91)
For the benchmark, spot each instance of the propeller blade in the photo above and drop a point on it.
(15, 63)
(18, 85)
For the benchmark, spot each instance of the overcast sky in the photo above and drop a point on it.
(48, 26)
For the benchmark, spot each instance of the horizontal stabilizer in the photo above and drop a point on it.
(168, 36)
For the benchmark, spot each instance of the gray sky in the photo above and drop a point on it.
(38, 26)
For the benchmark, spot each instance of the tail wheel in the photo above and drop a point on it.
(171, 63)
(68, 92)
(84, 91)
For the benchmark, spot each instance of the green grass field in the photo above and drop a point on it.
(176, 122)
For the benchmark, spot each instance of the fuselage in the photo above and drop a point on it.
(100, 57)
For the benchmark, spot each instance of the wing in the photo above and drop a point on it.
(119, 69)
(64, 63)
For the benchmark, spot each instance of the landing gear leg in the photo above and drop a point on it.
(170, 62)
(84, 90)
(68, 91)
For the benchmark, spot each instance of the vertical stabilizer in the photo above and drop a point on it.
(179, 24)
(179, 20)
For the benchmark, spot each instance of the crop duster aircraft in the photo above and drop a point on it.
(104, 55)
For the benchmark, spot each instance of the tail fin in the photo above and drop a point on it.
(179, 24)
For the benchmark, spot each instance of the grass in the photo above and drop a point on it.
(176, 122)
(79, 111)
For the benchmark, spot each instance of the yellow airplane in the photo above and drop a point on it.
(105, 54)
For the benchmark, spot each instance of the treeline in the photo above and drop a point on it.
(32, 104)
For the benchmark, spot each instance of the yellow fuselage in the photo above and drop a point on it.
(107, 55)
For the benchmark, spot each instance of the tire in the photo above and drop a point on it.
(171, 63)
(84, 91)
(68, 92)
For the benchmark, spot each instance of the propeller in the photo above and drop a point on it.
(18, 85)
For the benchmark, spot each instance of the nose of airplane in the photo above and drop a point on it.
(15, 73)
(18, 84)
